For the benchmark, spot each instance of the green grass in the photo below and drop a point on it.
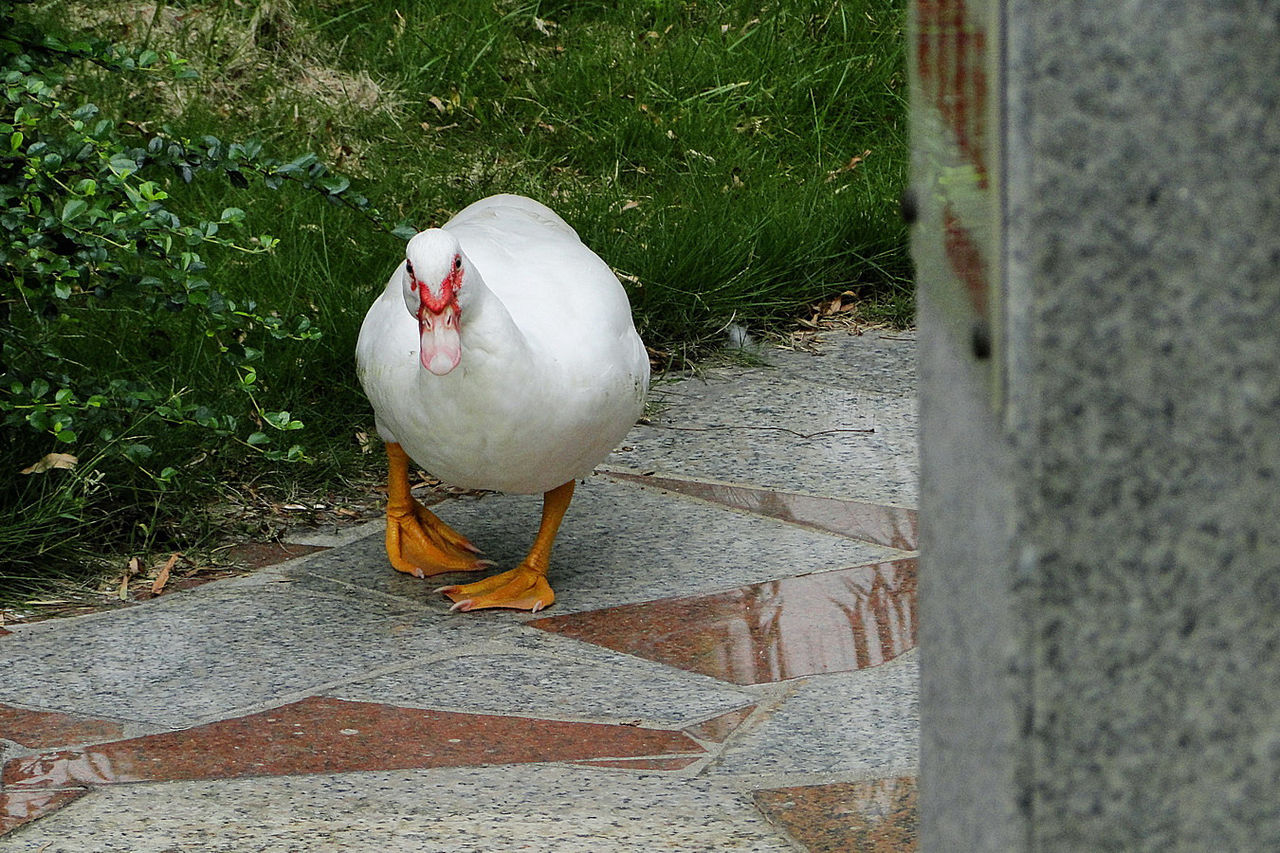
(699, 148)
(733, 161)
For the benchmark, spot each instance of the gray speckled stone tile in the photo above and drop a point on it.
(490, 810)
(544, 675)
(335, 536)
(619, 543)
(863, 723)
(774, 430)
(880, 361)
(183, 660)
(362, 567)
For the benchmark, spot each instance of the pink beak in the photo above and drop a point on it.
(441, 347)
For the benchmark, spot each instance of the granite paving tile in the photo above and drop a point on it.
(568, 680)
(179, 661)
(772, 402)
(361, 567)
(334, 536)
(877, 816)
(875, 360)
(893, 527)
(833, 621)
(565, 809)
(619, 543)
(780, 434)
(864, 722)
(634, 764)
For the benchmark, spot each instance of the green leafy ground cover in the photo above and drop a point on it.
(182, 287)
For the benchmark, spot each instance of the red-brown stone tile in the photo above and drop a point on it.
(877, 817)
(19, 807)
(258, 555)
(824, 622)
(894, 527)
(36, 729)
(321, 735)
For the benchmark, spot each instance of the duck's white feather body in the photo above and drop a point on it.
(552, 373)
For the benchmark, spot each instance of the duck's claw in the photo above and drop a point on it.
(521, 588)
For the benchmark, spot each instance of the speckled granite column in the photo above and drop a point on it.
(1100, 582)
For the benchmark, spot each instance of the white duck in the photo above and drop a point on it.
(501, 355)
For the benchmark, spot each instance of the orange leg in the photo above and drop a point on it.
(419, 543)
(525, 587)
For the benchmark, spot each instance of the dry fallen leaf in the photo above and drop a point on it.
(157, 586)
(51, 461)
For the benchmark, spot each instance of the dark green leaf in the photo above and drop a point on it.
(73, 208)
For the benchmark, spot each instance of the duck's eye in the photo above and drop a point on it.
(408, 267)
(457, 262)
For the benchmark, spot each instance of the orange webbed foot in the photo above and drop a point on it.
(521, 588)
(420, 544)
(525, 587)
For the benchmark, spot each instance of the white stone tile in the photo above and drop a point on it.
(620, 543)
(543, 675)
(864, 724)
(489, 810)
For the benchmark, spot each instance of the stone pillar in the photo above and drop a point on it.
(1097, 188)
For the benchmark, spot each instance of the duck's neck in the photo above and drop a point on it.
(491, 340)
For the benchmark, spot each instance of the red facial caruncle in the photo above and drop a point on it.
(435, 302)
(438, 317)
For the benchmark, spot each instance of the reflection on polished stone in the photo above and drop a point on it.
(894, 527)
(51, 728)
(879, 815)
(823, 622)
(322, 735)
(19, 807)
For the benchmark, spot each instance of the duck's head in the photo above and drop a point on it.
(434, 271)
